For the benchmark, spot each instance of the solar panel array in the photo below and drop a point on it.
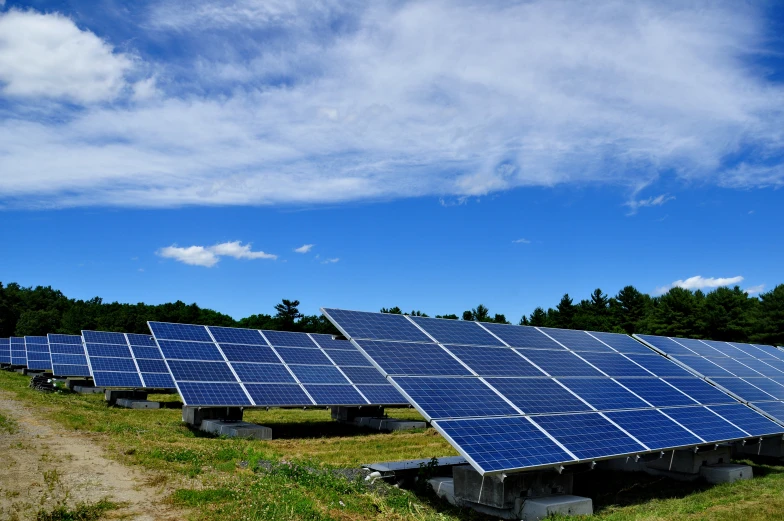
(126, 360)
(513, 398)
(5, 350)
(753, 373)
(68, 357)
(18, 352)
(38, 357)
(219, 366)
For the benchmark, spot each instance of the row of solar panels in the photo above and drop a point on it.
(507, 397)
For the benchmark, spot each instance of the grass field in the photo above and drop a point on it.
(296, 476)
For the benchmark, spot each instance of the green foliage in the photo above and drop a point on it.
(81, 512)
(8, 425)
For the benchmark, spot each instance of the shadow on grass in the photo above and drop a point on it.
(303, 430)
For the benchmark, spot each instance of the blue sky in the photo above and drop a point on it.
(435, 155)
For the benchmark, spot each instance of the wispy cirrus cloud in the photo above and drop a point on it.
(320, 102)
(333, 260)
(755, 290)
(521, 241)
(659, 200)
(700, 282)
(305, 248)
(209, 256)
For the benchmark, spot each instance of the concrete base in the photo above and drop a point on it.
(541, 507)
(113, 395)
(130, 403)
(681, 465)
(236, 429)
(388, 424)
(87, 389)
(770, 448)
(444, 488)
(727, 473)
(20, 371)
(81, 382)
(196, 415)
(349, 414)
(492, 491)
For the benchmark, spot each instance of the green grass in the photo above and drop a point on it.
(298, 475)
(7, 425)
(80, 512)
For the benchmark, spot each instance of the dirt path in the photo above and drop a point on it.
(42, 464)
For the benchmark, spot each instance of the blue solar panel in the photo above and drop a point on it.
(497, 444)
(158, 381)
(773, 388)
(665, 345)
(152, 366)
(123, 365)
(457, 332)
(743, 389)
(213, 393)
(114, 351)
(603, 393)
(538, 395)
(614, 364)
(656, 392)
(327, 342)
(141, 340)
(66, 349)
(37, 351)
(5, 351)
(316, 374)
(103, 337)
(342, 358)
(775, 409)
(238, 353)
(523, 336)
(288, 339)
(54, 338)
(278, 395)
(194, 371)
(759, 352)
(621, 343)
(232, 335)
(727, 349)
(167, 331)
(382, 394)
(298, 355)
(335, 394)
(454, 397)
(263, 373)
(376, 326)
(705, 424)
(654, 429)
(68, 355)
(58, 359)
(491, 361)
(366, 375)
(412, 359)
(148, 353)
(734, 367)
(700, 390)
(559, 363)
(703, 366)
(189, 350)
(18, 353)
(763, 367)
(577, 340)
(748, 419)
(63, 369)
(700, 347)
(589, 435)
(115, 379)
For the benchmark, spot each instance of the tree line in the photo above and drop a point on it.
(728, 314)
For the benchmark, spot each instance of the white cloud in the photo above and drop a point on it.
(699, 282)
(331, 261)
(659, 200)
(521, 241)
(451, 100)
(754, 290)
(48, 56)
(305, 248)
(210, 256)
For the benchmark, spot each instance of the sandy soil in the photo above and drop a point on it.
(41, 465)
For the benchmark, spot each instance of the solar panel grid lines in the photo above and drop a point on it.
(18, 352)
(37, 352)
(233, 372)
(5, 351)
(459, 386)
(125, 360)
(68, 355)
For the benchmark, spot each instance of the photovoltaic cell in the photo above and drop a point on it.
(743, 389)
(773, 388)
(37, 351)
(18, 353)
(267, 368)
(497, 392)
(5, 351)
(746, 418)
(126, 360)
(68, 355)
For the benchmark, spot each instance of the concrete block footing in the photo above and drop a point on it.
(236, 429)
(538, 508)
(349, 414)
(769, 447)
(388, 424)
(196, 415)
(112, 396)
(81, 382)
(81, 389)
(130, 403)
(493, 491)
(444, 488)
(726, 473)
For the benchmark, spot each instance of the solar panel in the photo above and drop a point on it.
(5, 350)
(220, 366)
(126, 360)
(18, 352)
(38, 357)
(68, 355)
(752, 373)
(512, 398)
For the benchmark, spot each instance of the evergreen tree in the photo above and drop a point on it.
(538, 318)
(566, 311)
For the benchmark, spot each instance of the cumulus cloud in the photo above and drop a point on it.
(305, 248)
(755, 290)
(301, 102)
(210, 256)
(48, 56)
(699, 282)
